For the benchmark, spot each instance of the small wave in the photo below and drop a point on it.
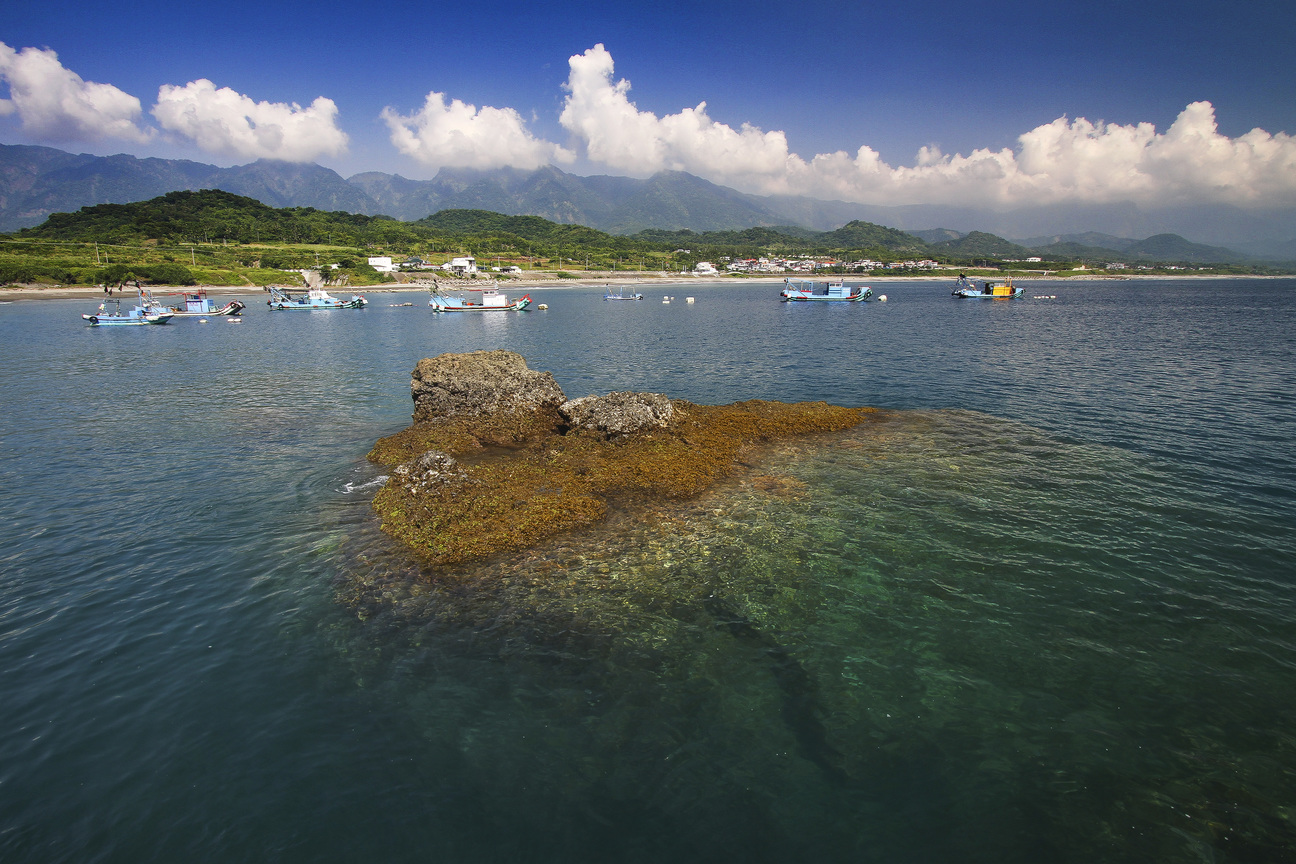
(366, 486)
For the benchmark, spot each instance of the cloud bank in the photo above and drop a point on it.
(1067, 161)
(55, 104)
(458, 135)
(219, 120)
(1063, 161)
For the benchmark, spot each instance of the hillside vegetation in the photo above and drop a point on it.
(216, 237)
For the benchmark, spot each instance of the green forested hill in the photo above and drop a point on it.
(1172, 247)
(245, 232)
(209, 215)
(213, 216)
(979, 244)
(866, 235)
(529, 228)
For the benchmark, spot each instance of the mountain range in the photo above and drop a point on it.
(36, 181)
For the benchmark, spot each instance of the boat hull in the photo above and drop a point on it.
(353, 303)
(125, 320)
(971, 294)
(797, 297)
(233, 307)
(455, 304)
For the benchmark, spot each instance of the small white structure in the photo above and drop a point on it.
(382, 264)
(705, 268)
(460, 266)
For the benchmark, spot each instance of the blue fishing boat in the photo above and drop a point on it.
(1004, 290)
(197, 303)
(147, 311)
(491, 301)
(621, 295)
(315, 298)
(805, 289)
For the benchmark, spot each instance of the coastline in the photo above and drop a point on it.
(542, 282)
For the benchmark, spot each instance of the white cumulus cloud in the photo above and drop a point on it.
(459, 135)
(1066, 160)
(54, 103)
(220, 120)
(619, 135)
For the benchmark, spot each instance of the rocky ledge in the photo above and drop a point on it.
(498, 459)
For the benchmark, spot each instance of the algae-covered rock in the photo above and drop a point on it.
(535, 466)
(618, 413)
(479, 383)
(433, 468)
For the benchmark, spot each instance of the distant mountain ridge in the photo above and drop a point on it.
(38, 181)
(1090, 245)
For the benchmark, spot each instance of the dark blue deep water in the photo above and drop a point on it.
(1041, 607)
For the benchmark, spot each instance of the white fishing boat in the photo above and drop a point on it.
(491, 300)
(147, 311)
(966, 289)
(315, 298)
(197, 305)
(808, 290)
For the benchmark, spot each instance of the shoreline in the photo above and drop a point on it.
(544, 283)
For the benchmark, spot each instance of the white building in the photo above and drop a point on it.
(460, 266)
(705, 268)
(382, 264)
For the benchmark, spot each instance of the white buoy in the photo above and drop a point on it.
(202, 320)
(688, 299)
(543, 306)
(882, 299)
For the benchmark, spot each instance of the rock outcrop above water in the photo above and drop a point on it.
(618, 413)
(498, 459)
(480, 383)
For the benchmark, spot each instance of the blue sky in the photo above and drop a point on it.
(1001, 103)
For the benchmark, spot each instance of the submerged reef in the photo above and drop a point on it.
(497, 459)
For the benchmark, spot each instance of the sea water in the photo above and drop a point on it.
(1039, 607)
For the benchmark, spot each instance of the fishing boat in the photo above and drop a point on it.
(197, 304)
(1004, 290)
(491, 301)
(148, 311)
(621, 295)
(315, 298)
(805, 289)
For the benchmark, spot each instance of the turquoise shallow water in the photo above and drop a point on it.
(1039, 608)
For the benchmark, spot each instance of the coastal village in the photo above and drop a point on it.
(467, 265)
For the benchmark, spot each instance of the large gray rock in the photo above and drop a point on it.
(618, 413)
(479, 383)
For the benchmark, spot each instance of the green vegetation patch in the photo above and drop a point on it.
(522, 480)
